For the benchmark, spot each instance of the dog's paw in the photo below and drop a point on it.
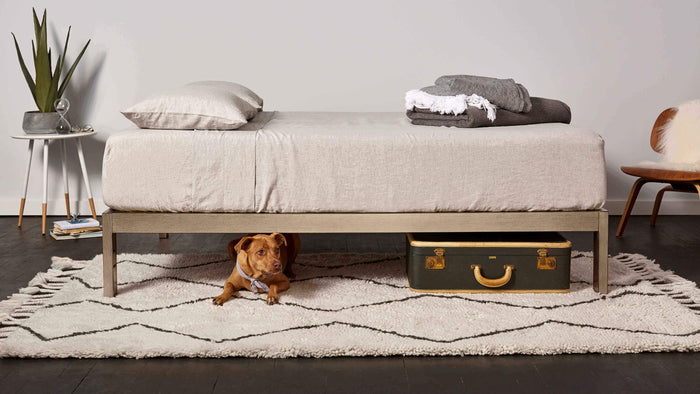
(272, 300)
(220, 300)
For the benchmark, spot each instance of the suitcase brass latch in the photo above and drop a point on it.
(436, 262)
(544, 262)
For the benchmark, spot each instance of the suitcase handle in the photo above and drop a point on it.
(493, 282)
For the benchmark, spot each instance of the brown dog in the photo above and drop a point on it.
(261, 263)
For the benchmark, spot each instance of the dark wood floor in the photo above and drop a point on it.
(674, 243)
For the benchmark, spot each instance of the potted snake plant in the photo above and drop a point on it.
(45, 86)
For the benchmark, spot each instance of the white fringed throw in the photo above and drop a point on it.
(448, 104)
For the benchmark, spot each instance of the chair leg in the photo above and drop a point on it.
(630, 204)
(657, 204)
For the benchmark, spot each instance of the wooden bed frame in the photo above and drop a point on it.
(119, 222)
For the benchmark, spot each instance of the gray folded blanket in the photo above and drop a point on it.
(543, 111)
(505, 93)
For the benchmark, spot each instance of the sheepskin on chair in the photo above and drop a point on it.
(680, 142)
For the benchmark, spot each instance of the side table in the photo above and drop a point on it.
(47, 138)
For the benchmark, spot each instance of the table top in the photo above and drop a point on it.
(53, 136)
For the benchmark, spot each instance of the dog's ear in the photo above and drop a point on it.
(231, 249)
(243, 244)
(281, 240)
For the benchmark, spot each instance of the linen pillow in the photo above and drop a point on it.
(239, 90)
(207, 105)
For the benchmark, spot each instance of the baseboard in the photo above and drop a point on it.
(614, 207)
(644, 207)
(53, 207)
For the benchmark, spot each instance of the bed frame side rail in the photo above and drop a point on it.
(115, 222)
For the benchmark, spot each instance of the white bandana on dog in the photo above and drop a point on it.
(255, 284)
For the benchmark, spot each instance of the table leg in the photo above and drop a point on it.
(85, 176)
(26, 183)
(46, 184)
(65, 177)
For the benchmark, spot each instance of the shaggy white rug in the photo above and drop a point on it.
(339, 305)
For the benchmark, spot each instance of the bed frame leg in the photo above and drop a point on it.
(163, 235)
(600, 254)
(109, 256)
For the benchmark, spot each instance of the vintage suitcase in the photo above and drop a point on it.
(488, 262)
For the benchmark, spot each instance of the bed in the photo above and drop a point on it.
(323, 172)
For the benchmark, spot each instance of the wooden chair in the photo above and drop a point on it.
(679, 181)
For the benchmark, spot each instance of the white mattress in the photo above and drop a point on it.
(354, 162)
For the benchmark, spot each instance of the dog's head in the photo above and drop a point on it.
(262, 252)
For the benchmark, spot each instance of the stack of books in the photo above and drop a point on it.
(76, 228)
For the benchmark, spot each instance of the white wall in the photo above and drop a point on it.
(616, 63)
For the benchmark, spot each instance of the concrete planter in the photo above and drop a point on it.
(36, 122)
